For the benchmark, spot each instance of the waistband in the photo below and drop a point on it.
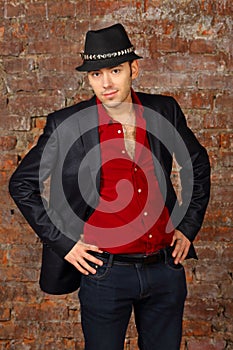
(156, 257)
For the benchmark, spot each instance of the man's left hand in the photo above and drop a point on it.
(182, 245)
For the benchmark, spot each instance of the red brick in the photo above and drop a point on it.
(218, 120)
(226, 159)
(181, 63)
(5, 314)
(75, 30)
(62, 63)
(211, 273)
(36, 105)
(168, 45)
(19, 65)
(2, 30)
(53, 46)
(226, 140)
(194, 99)
(42, 82)
(206, 344)
(40, 123)
(8, 161)
(209, 7)
(17, 233)
(63, 329)
(223, 82)
(7, 143)
(224, 103)
(24, 254)
(203, 290)
(24, 292)
(207, 253)
(15, 123)
(16, 273)
(196, 328)
(226, 289)
(227, 253)
(219, 234)
(42, 311)
(14, 10)
(3, 104)
(165, 80)
(7, 330)
(11, 48)
(221, 176)
(210, 139)
(37, 9)
(200, 309)
(202, 46)
(219, 216)
(65, 8)
(102, 7)
(223, 195)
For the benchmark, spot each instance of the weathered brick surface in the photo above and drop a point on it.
(187, 47)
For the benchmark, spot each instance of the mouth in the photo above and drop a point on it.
(109, 94)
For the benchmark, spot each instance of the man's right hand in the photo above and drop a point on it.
(79, 257)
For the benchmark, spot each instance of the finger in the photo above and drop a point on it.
(178, 247)
(185, 253)
(93, 259)
(178, 251)
(85, 265)
(79, 267)
(173, 241)
(182, 253)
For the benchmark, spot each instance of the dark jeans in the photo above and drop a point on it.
(155, 292)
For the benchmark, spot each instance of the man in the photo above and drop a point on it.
(113, 225)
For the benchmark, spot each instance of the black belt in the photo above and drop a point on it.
(159, 256)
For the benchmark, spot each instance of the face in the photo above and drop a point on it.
(112, 85)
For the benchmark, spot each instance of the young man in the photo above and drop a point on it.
(113, 226)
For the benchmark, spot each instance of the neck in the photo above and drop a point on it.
(122, 112)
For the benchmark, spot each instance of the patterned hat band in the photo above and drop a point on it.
(94, 57)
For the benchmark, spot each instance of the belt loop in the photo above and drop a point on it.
(110, 260)
(165, 255)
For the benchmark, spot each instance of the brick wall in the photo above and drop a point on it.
(187, 46)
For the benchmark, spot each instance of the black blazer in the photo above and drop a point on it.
(60, 155)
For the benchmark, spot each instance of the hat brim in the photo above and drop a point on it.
(93, 65)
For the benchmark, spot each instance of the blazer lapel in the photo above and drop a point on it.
(88, 125)
(153, 126)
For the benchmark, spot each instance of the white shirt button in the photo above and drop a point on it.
(139, 190)
(119, 131)
(145, 213)
(123, 151)
(135, 169)
(150, 236)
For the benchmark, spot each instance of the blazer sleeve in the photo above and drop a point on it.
(194, 174)
(26, 187)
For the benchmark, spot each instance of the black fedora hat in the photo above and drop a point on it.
(107, 47)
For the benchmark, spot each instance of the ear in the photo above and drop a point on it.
(134, 69)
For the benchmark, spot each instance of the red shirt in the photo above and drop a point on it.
(131, 216)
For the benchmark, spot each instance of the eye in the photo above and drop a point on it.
(116, 71)
(95, 74)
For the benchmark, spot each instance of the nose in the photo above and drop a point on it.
(107, 82)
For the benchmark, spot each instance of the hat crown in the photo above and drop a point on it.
(107, 40)
(107, 47)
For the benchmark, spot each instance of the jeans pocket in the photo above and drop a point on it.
(172, 266)
(101, 271)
